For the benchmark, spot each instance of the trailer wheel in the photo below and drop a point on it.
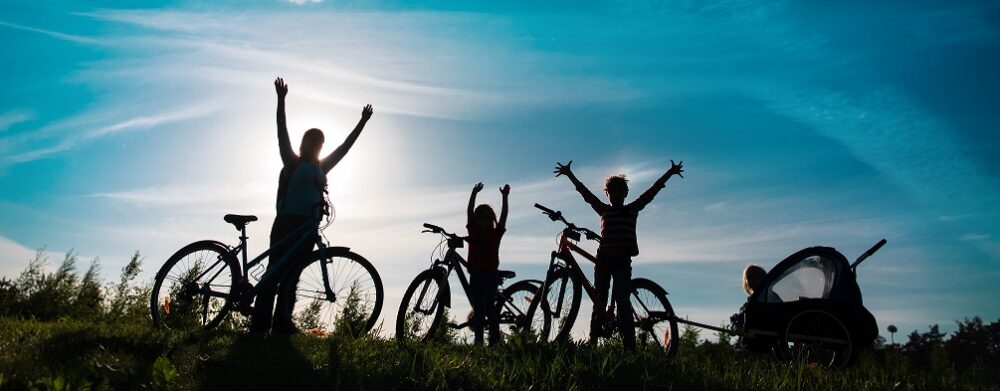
(817, 337)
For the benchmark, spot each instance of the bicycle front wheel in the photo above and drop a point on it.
(195, 287)
(561, 301)
(422, 307)
(513, 306)
(337, 291)
(650, 308)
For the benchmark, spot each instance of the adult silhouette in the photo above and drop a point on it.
(301, 189)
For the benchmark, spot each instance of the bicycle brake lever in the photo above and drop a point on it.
(426, 231)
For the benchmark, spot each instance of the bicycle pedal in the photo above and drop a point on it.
(245, 309)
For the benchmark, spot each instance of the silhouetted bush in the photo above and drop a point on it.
(43, 295)
(975, 343)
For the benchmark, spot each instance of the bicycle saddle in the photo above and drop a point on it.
(507, 274)
(239, 221)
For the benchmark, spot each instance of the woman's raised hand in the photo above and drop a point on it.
(366, 112)
(280, 87)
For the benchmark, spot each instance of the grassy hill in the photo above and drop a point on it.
(75, 354)
(61, 331)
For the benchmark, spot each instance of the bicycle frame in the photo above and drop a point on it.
(565, 254)
(306, 232)
(452, 262)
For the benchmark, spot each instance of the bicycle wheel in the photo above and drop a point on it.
(513, 305)
(195, 287)
(562, 302)
(650, 306)
(422, 308)
(356, 287)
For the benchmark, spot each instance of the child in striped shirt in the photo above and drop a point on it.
(618, 244)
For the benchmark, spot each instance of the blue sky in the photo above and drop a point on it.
(136, 125)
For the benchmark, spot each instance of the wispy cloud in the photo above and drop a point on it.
(149, 121)
(185, 195)
(14, 117)
(55, 34)
(886, 130)
(65, 134)
(419, 58)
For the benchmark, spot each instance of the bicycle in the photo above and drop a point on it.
(560, 295)
(202, 282)
(422, 309)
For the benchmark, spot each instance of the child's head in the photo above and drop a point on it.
(312, 143)
(616, 187)
(485, 217)
(752, 276)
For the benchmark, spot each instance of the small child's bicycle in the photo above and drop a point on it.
(201, 283)
(421, 313)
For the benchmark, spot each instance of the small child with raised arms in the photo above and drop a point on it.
(485, 232)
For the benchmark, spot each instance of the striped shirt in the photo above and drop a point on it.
(618, 223)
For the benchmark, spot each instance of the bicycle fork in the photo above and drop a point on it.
(423, 294)
(541, 298)
(330, 296)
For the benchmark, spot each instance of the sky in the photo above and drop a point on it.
(136, 125)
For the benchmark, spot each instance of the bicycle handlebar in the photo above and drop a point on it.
(438, 230)
(556, 215)
(544, 209)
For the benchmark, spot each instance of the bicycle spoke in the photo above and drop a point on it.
(343, 276)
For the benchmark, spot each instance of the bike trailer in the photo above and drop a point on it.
(811, 296)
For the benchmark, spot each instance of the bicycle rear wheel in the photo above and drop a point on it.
(650, 306)
(356, 288)
(513, 305)
(195, 287)
(422, 308)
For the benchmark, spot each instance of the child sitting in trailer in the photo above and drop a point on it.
(753, 275)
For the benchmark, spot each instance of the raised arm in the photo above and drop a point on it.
(284, 144)
(648, 195)
(334, 157)
(472, 203)
(502, 222)
(588, 196)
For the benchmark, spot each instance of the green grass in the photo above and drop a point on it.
(73, 354)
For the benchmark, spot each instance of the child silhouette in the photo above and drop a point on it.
(618, 244)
